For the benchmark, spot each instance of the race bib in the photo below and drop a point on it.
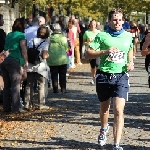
(117, 57)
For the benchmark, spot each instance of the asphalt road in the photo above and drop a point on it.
(73, 119)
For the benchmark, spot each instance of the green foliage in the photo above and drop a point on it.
(85, 8)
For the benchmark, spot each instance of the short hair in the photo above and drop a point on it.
(57, 27)
(54, 19)
(72, 21)
(114, 11)
(41, 19)
(18, 25)
(92, 21)
(43, 32)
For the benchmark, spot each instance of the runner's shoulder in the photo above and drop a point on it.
(126, 33)
(103, 33)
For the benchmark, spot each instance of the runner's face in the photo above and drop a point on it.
(116, 21)
(93, 24)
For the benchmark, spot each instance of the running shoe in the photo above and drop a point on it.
(102, 136)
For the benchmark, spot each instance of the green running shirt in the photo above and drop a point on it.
(117, 62)
(90, 35)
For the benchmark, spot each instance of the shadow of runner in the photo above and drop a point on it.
(61, 144)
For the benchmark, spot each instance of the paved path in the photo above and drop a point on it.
(73, 120)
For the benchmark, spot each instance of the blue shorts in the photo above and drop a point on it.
(112, 85)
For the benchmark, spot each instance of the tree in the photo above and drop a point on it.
(85, 8)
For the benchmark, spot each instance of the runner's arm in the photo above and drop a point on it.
(130, 64)
(85, 42)
(92, 54)
(130, 56)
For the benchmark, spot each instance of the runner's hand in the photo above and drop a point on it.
(112, 50)
(130, 66)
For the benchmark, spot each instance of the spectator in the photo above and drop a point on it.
(27, 23)
(58, 59)
(31, 32)
(76, 23)
(70, 36)
(98, 26)
(83, 28)
(39, 71)
(76, 44)
(126, 25)
(142, 29)
(2, 34)
(54, 19)
(2, 43)
(135, 33)
(11, 66)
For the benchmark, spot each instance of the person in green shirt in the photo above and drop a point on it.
(88, 37)
(58, 59)
(115, 49)
(11, 66)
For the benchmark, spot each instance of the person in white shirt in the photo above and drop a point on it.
(39, 70)
(31, 32)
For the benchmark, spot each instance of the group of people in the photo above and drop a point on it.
(113, 47)
(16, 66)
(57, 45)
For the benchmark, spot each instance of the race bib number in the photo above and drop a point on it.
(117, 57)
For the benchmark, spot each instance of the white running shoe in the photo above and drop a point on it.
(93, 81)
(102, 136)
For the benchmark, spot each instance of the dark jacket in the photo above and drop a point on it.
(2, 39)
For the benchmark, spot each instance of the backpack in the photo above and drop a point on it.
(33, 53)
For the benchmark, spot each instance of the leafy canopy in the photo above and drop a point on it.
(85, 8)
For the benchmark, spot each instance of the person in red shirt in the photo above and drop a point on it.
(70, 33)
(76, 23)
